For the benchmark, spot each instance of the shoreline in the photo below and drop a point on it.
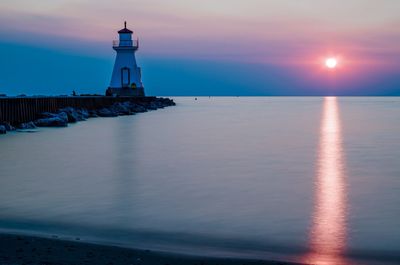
(35, 250)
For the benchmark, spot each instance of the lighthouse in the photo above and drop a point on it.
(126, 79)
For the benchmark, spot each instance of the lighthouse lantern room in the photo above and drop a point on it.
(126, 79)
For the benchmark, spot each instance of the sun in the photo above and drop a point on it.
(331, 63)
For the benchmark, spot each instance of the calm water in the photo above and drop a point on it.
(305, 179)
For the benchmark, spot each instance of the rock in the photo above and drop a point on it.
(84, 113)
(93, 114)
(27, 126)
(120, 109)
(166, 102)
(129, 106)
(138, 108)
(63, 116)
(152, 106)
(105, 112)
(3, 129)
(72, 114)
(8, 126)
(53, 120)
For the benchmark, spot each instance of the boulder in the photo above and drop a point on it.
(3, 129)
(121, 108)
(160, 104)
(8, 126)
(138, 108)
(152, 106)
(84, 113)
(129, 106)
(51, 122)
(63, 116)
(27, 126)
(93, 114)
(72, 114)
(166, 102)
(105, 112)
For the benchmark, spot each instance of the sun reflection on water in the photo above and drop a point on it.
(328, 233)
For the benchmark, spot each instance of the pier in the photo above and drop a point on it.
(17, 110)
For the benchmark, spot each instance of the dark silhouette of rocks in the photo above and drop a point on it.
(63, 116)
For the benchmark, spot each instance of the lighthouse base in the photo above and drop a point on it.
(125, 91)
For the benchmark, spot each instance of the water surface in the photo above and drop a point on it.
(304, 179)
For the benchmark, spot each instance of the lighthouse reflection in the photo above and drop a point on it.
(328, 231)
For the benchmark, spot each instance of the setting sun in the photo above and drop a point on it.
(331, 63)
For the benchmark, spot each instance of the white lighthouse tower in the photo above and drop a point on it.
(126, 78)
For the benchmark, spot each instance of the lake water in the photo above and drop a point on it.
(305, 179)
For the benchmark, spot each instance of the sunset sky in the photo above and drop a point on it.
(208, 47)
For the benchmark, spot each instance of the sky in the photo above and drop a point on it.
(203, 47)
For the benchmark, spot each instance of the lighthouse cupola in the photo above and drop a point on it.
(126, 79)
(125, 37)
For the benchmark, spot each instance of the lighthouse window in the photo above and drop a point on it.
(125, 77)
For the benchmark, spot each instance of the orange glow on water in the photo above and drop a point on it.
(328, 232)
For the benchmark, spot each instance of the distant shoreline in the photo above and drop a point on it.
(23, 249)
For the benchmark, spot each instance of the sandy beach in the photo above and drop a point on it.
(19, 249)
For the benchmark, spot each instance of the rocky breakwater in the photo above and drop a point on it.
(63, 116)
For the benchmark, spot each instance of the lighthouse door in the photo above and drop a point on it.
(125, 77)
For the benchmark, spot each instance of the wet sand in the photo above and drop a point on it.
(17, 249)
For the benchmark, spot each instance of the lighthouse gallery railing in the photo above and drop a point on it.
(126, 43)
